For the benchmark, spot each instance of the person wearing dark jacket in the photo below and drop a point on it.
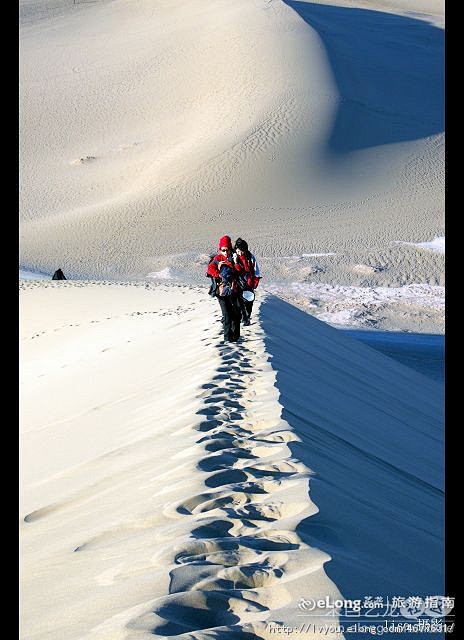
(249, 276)
(223, 269)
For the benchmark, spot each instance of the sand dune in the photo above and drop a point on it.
(150, 129)
(175, 486)
(172, 485)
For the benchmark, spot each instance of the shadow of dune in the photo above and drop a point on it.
(389, 70)
(371, 430)
(406, 347)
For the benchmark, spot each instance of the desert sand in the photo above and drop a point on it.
(176, 486)
(313, 130)
(173, 486)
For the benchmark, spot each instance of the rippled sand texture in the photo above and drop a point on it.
(150, 129)
(176, 486)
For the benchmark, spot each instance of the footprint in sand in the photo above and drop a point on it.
(234, 567)
(83, 160)
(209, 501)
(269, 511)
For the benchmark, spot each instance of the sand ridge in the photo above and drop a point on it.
(230, 575)
(303, 127)
(208, 491)
(214, 525)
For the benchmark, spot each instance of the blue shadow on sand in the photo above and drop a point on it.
(424, 353)
(389, 70)
(371, 431)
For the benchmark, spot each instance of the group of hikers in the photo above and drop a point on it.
(235, 275)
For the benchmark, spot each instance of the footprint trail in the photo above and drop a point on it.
(238, 572)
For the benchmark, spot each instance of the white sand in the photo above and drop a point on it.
(150, 129)
(165, 475)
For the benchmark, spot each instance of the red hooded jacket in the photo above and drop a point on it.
(247, 268)
(213, 268)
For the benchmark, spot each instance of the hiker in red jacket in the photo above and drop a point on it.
(249, 276)
(224, 271)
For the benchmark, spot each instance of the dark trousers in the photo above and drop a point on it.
(245, 308)
(230, 316)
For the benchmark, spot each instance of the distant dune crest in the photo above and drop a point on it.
(299, 125)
